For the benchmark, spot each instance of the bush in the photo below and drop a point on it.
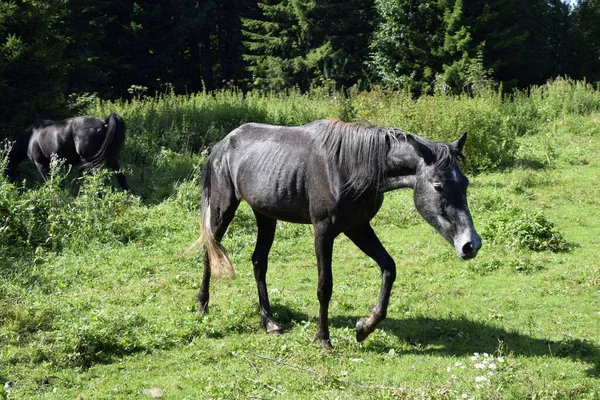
(562, 97)
(492, 136)
(49, 217)
(514, 227)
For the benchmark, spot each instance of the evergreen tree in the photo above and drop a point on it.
(585, 41)
(407, 44)
(31, 66)
(516, 43)
(96, 32)
(303, 43)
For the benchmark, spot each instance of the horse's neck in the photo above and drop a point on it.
(398, 182)
(402, 168)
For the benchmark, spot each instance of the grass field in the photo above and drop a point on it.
(116, 318)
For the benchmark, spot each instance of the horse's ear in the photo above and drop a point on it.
(422, 150)
(460, 142)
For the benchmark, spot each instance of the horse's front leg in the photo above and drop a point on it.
(43, 168)
(366, 240)
(324, 237)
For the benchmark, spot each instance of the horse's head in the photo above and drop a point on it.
(440, 194)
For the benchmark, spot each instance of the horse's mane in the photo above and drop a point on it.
(360, 151)
(444, 154)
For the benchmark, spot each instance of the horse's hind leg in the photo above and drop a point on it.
(367, 241)
(114, 165)
(223, 208)
(266, 233)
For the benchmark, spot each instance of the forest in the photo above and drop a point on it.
(54, 51)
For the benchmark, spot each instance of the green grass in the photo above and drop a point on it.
(114, 318)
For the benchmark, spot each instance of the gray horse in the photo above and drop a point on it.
(332, 175)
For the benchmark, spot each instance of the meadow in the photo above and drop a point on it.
(97, 291)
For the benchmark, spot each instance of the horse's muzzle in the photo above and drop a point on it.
(468, 249)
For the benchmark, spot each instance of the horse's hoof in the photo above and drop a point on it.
(325, 343)
(203, 309)
(361, 330)
(273, 329)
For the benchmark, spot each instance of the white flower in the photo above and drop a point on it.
(480, 379)
(479, 366)
(492, 366)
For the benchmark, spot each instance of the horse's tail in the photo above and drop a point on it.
(113, 142)
(220, 264)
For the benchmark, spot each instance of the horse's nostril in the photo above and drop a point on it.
(468, 248)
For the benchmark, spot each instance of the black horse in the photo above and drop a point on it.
(90, 141)
(332, 175)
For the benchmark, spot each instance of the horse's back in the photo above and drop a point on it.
(52, 137)
(267, 166)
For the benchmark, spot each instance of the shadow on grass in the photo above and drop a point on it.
(457, 337)
(461, 336)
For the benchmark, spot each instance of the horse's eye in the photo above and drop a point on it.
(438, 186)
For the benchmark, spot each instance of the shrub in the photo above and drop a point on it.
(514, 227)
(562, 97)
(51, 218)
(492, 139)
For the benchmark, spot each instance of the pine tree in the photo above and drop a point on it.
(304, 43)
(31, 62)
(585, 40)
(407, 43)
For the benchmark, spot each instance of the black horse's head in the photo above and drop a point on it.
(440, 194)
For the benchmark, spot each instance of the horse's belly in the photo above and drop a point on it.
(284, 205)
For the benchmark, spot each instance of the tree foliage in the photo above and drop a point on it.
(32, 66)
(305, 43)
(112, 48)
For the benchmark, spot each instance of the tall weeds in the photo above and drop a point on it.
(187, 123)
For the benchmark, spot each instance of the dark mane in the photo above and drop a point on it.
(444, 154)
(358, 149)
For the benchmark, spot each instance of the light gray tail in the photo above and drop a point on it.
(220, 264)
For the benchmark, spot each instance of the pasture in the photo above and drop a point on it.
(97, 296)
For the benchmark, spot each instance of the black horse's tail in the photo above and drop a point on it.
(220, 264)
(113, 142)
